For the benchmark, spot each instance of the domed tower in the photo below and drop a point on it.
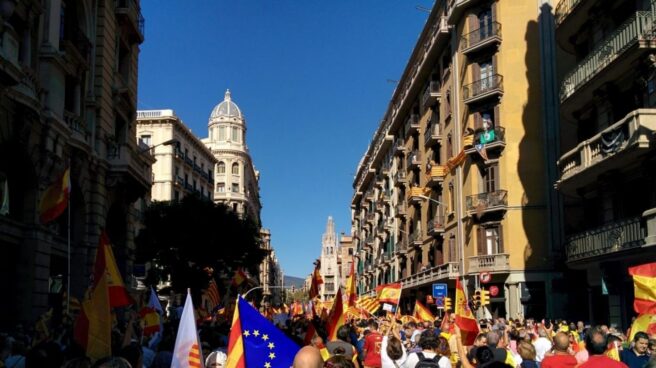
(236, 180)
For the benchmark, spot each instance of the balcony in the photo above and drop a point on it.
(369, 196)
(436, 174)
(480, 204)
(494, 263)
(400, 178)
(611, 149)
(432, 135)
(129, 14)
(413, 160)
(416, 238)
(492, 139)
(444, 271)
(371, 217)
(369, 241)
(431, 94)
(385, 170)
(416, 194)
(130, 166)
(481, 39)
(399, 146)
(189, 161)
(400, 211)
(483, 89)
(179, 181)
(607, 240)
(437, 224)
(401, 247)
(616, 49)
(412, 124)
(78, 128)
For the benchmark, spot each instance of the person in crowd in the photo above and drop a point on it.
(17, 357)
(216, 359)
(372, 347)
(500, 354)
(542, 344)
(434, 351)
(596, 343)
(561, 356)
(638, 355)
(342, 346)
(526, 351)
(392, 351)
(652, 347)
(338, 361)
(308, 357)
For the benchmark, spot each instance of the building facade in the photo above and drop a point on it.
(345, 258)
(452, 184)
(270, 277)
(237, 180)
(184, 164)
(329, 267)
(69, 82)
(607, 164)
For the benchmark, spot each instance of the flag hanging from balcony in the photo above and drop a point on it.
(456, 160)
(389, 293)
(422, 313)
(316, 280)
(464, 318)
(644, 283)
(480, 148)
(55, 199)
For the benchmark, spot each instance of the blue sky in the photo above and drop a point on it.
(312, 78)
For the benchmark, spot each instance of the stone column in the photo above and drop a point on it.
(650, 219)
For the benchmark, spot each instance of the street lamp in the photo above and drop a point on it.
(170, 142)
(431, 199)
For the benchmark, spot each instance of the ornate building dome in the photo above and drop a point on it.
(226, 109)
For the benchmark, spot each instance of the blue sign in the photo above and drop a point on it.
(439, 291)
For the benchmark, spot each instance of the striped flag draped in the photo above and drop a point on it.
(211, 296)
(55, 199)
(644, 282)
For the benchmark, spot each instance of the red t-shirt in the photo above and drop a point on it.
(602, 361)
(372, 344)
(558, 361)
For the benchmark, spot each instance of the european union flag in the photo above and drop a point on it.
(265, 346)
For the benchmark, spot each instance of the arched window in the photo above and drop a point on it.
(220, 168)
(235, 169)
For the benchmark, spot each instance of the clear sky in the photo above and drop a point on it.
(312, 77)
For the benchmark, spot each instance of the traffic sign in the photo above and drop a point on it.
(485, 277)
(439, 302)
(439, 290)
(494, 290)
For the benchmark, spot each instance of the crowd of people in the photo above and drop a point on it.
(370, 342)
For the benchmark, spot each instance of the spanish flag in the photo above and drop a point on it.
(336, 317)
(106, 263)
(389, 293)
(422, 313)
(644, 282)
(645, 323)
(351, 292)
(93, 326)
(316, 281)
(464, 318)
(239, 278)
(55, 198)
(612, 351)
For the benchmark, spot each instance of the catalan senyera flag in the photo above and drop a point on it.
(316, 281)
(336, 317)
(389, 293)
(369, 304)
(645, 323)
(422, 313)
(187, 352)
(55, 199)
(465, 320)
(105, 262)
(644, 283)
(93, 326)
(211, 296)
(351, 292)
(256, 342)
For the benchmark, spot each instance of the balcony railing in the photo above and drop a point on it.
(444, 271)
(487, 202)
(431, 93)
(414, 159)
(415, 237)
(399, 146)
(483, 88)
(608, 51)
(564, 8)
(369, 240)
(483, 36)
(437, 224)
(606, 240)
(400, 178)
(416, 194)
(371, 217)
(130, 9)
(432, 134)
(179, 181)
(400, 210)
(489, 263)
(491, 138)
(632, 131)
(412, 124)
(75, 122)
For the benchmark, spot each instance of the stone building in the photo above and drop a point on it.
(345, 257)
(69, 94)
(329, 267)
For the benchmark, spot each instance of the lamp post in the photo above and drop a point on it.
(170, 142)
(431, 199)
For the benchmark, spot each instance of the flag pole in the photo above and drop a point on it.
(68, 273)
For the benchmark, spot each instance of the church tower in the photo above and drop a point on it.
(329, 268)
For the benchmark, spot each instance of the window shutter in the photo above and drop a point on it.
(494, 11)
(481, 241)
(497, 116)
(497, 179)
(500, 232)
(478, 121)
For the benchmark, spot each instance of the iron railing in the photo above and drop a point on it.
(478, 36)
(607, 239)
(486, 201)
(475, 89)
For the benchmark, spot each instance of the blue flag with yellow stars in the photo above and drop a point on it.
(265, 346)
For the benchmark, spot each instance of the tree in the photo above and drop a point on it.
(186, 238)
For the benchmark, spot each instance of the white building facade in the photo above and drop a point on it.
(329, 265)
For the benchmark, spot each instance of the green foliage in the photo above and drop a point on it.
(183, 238)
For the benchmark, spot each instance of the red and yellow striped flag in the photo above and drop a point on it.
(336, 317)
(369, 304)
(351, 293)
(644, 282)
(236, 357)
(55, 199)
(645, 323)
(194, 357)
(389, 293)
(422, 313)
(464, 318)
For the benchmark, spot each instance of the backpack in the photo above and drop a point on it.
(427, 362)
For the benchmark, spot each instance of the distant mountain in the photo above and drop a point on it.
(296, 281)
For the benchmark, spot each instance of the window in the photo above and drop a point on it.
(222, 133)
(235, 169)
(453, 249)
(220, 187)
(220, 168)
(489, 240)
(186, 179)
(145, 139)
(486, 75)
(490, 178)
(235, 134)
(235, 188)
(485, 24)
(177, 171)
(194, 184)
(176, 195)
(452, 198)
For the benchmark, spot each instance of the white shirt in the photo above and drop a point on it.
(386, 361)
(413, 359)
(542, 346)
